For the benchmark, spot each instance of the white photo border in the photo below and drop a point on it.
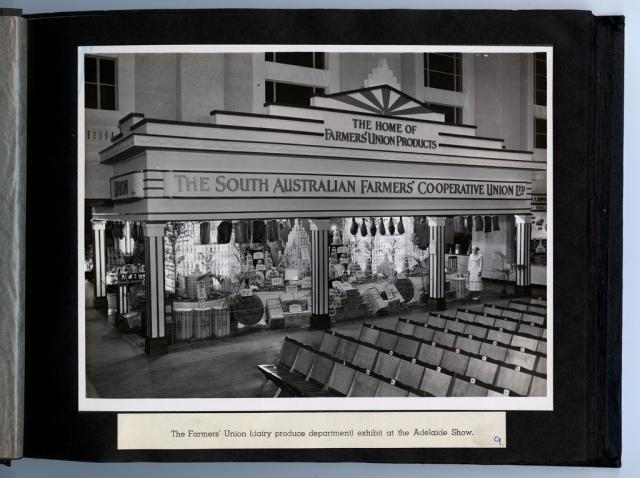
(309, 403)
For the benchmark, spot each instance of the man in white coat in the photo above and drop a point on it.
(475, 274)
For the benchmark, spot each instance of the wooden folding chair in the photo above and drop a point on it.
(454, 362)
(468, 345)
(346, 349)
(524, 342)
(521, 359)
(542, 347)
(405, 328)
(501, 337)
(365, 357)
(368, 334)
(435, 383)
(506, 324)
(341, 379)
(424, 333)
(495, 352)
(430, 354)
(476, 331)
(454, 326)
(528, 329)
(486, 320)
(407, 347)
(410, 374)
(444, 338)
(386, 389)
(533, 318)
(329, 343)
(438, 322)
(387, 365)
(387, 340)
(462, 388)
(513, 380)
(538, 387)
(482, 370)
(465, 314)
(363, 385)
(541, 365)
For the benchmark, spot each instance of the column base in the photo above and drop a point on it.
(523, 291)
(156, 346)
(436, 303)
(320, 322)
(100, 303)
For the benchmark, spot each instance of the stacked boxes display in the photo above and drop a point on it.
(275, 314)
(203, 326)
(221, 320)
(184, 323)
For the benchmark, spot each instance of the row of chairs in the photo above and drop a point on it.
(432, 369)
(304, 371)
(456, 360)
(487, 327)
(498, 346)
(506, 312)
(528, 306)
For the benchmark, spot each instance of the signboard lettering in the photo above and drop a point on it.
(185, 184)
(129, 186)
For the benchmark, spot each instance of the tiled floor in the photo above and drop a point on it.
(117, 366)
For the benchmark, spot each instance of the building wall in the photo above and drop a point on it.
(497, 93)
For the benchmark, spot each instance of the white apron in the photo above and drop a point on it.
(475, 269)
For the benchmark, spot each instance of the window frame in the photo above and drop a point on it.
(539, 79)
(537, 134)
(98, 83)
(457, 111)
(274, 83)
(272, 56)
(455, 74)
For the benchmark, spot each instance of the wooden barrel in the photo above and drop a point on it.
(203, 322)
(406, 289)
(247, 310)
(184, 323)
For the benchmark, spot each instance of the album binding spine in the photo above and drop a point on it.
(605, 244)
(13, 135)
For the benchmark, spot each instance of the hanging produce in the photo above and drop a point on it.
(400, 226)
(354, 227)
(383, 231)
(392, 228)
(363, 228)
(373, 229)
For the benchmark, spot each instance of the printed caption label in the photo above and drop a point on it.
(183, 431)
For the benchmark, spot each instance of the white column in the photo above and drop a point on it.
(155, 340)
(320, 274)
(100, 291)
(436, 262)
(523, 255)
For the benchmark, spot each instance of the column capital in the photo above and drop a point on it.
(98, 224)
(437, 221)
(522, 219)
(320, 224)
(153, 229)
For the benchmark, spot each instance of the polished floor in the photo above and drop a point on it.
(117, 366)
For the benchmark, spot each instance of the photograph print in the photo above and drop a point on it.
(360, 227)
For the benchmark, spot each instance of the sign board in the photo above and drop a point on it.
(268, 185)
(128, 186)
(380, 133)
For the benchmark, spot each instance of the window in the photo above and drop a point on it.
(287, 93)
(308, 59)
(443, 71)
(540, 72)
(452, 114)
(100, 83)
(540, 134)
